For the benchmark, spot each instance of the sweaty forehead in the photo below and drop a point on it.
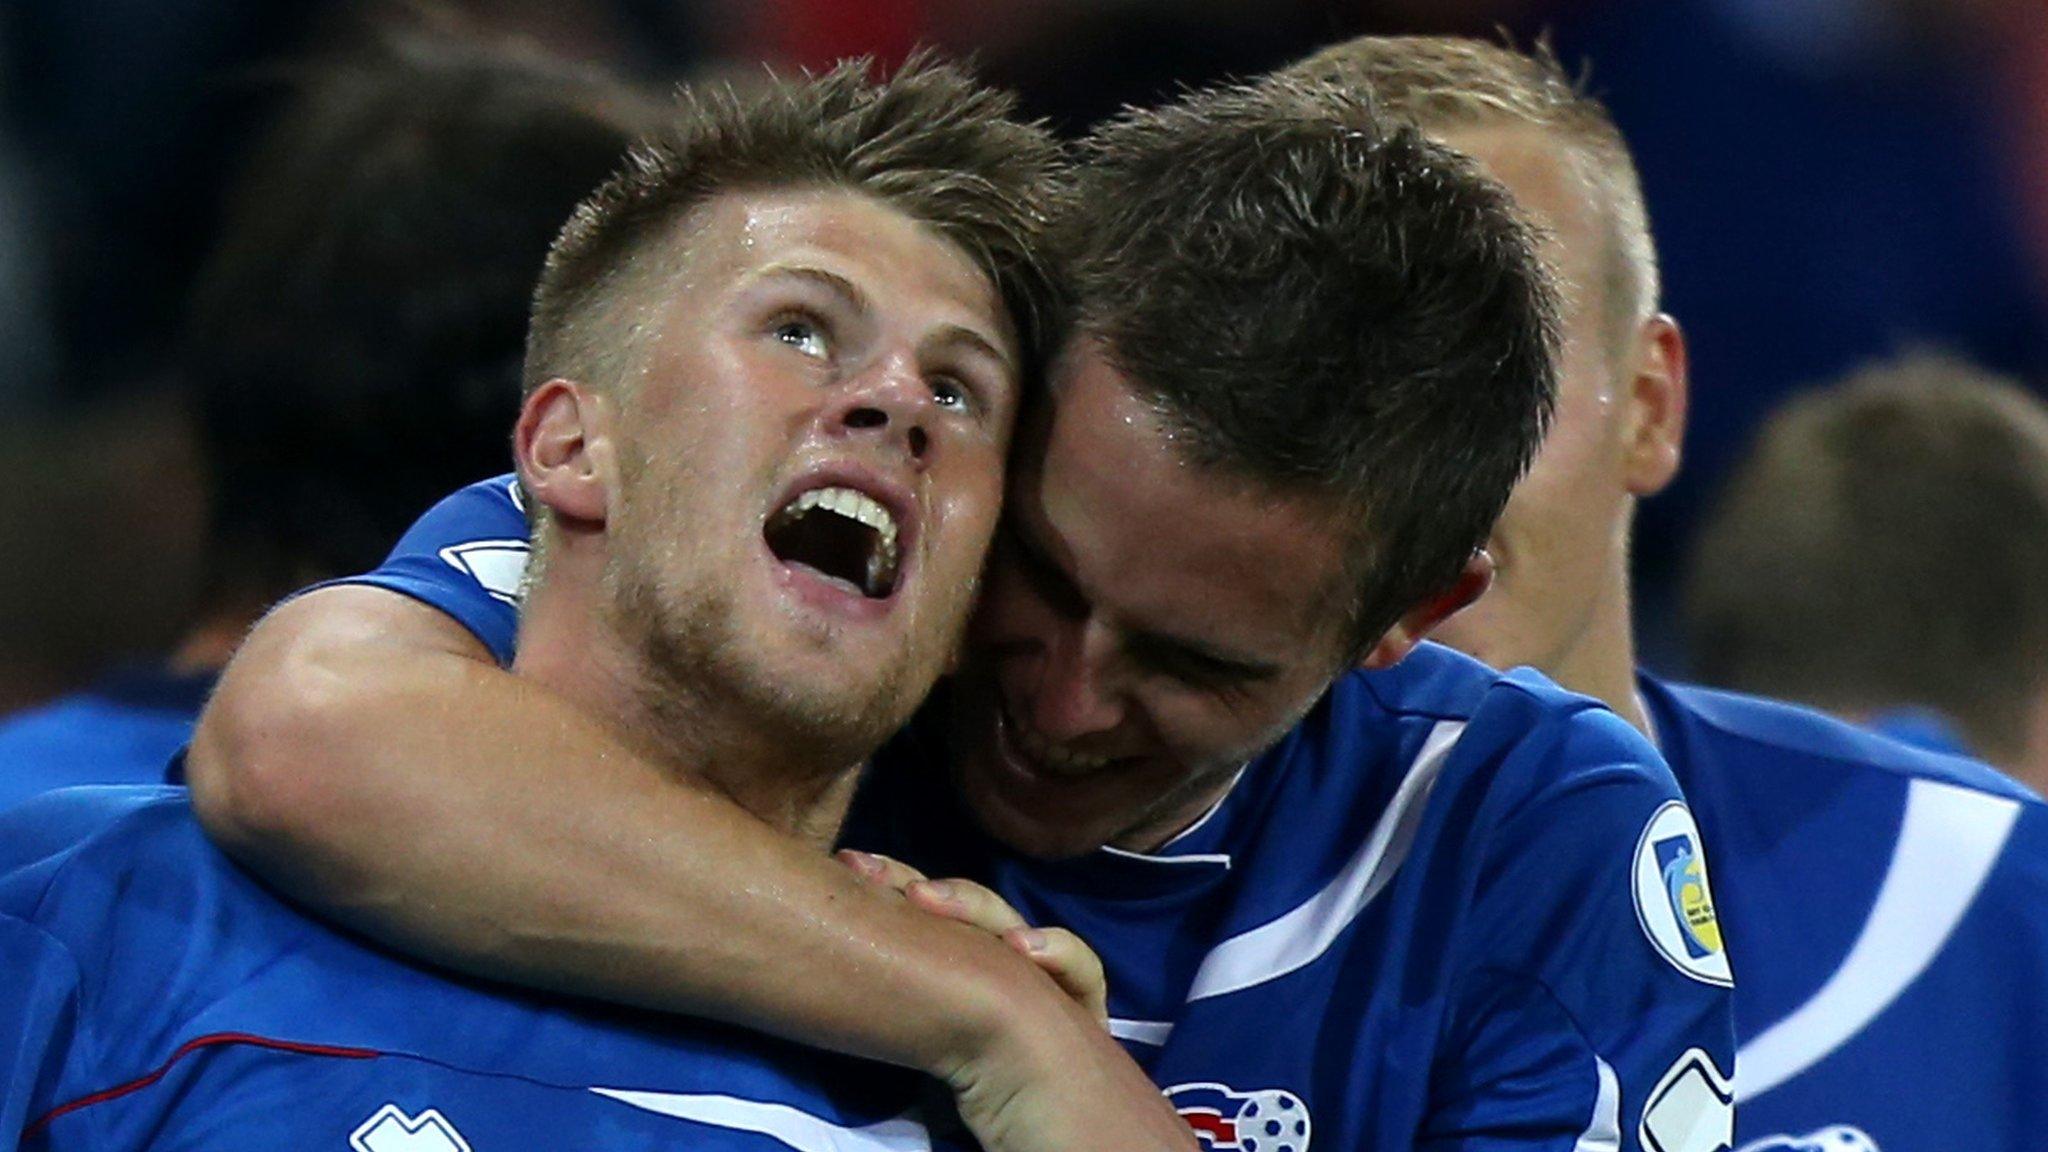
(1160, 544)
(849, 234)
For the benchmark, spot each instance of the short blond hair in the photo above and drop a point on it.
(1441, 82)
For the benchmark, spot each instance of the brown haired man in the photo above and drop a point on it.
(1878, 903)
(1353, 903)
(1913, 489)
(806, 297)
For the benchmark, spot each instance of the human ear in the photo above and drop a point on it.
(1657, 394)
(562, 446)
(1418, 622)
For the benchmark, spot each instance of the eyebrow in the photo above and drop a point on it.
(1147, 644)
(958, 334)
(831, 282)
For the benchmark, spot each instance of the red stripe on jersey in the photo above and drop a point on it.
(1211, 1126)
(213, 1041)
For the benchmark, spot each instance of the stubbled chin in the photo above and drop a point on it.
(1009, 819)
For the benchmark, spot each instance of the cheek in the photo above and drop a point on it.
(983, 510)
(1582, 454)
(1557, 499)
(969, 481)
(1200, 733)
(1222, 732)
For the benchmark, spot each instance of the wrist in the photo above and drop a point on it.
(1015, 1021)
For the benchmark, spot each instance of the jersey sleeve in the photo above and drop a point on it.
(466, 556)
(1592, 1009)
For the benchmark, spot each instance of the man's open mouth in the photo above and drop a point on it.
(840, 533)
(1044, 757)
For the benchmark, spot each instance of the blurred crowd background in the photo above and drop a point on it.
(1830, 181)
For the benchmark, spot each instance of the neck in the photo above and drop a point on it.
(688, 729)
(1601, 661)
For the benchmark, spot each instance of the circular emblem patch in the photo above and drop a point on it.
(1674, 901)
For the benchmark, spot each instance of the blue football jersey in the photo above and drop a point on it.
(466, 556)
(1452, 910)
(158, 998)
(1922, 728)
(1887, 911)
(123, 730)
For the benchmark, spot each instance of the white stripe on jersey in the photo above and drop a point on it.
(497, 566)
(1222, 858)
(1948, 843)
(1153, 1032)
(1299, 936)
(1603, 1130)
(792, 1126)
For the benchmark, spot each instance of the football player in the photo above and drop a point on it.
(809, 310)
(1914, 488)
(1880, 903)
(1348, 887)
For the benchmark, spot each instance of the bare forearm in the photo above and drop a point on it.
(452, 810)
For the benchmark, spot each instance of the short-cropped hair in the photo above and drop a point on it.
(1324, 301)
(1449, 82)
(929, 141)
(1883, 545)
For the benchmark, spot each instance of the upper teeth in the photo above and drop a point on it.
(854, 505)
(1055, 756)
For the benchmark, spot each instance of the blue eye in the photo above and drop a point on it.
(804, 336)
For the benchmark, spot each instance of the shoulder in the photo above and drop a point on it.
(88, 738)
(1730, 726)
(1517, 777)
(1433, 682)
(1514, 707)
(467, 557)
(116, 880)
(1543, 746)
(90, 839)
(157, 924)
(1494, 748)
(498, 498)
(1821, 820)
(116, 873)
(480, 531)
(1572, 825)
(1486, 714)
(90, 821)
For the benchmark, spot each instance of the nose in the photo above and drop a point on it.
(888, 400)
(1077, 690)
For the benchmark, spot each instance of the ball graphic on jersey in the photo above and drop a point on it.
(1273, 1120)
(1834, 1138)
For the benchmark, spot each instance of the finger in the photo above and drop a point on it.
(1069, 961)
(879, 869)
(967, 902)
